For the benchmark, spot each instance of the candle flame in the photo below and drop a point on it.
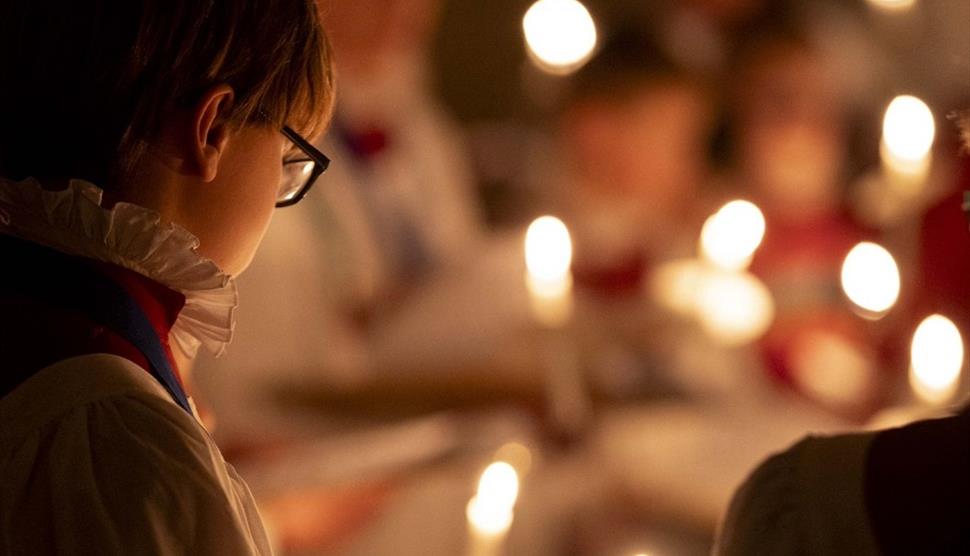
(490, 511)
(735, 307)
(548, 250)
(560, 35)
(893, 5)
(908, 130)
(937, 358)
(870, 278)
(730, 236)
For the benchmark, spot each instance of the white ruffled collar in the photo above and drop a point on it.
(73, 221)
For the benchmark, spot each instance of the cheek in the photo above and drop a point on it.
(264, 179)
(255, 185)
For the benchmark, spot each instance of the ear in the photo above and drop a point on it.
(211, 130)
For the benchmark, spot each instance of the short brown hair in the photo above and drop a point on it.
(630, 61)
(86, 83)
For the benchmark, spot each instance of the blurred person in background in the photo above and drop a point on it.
(789, 143)
(633, 134)
(897, 491)
(143, 148)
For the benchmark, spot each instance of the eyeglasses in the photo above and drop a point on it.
(301, 171)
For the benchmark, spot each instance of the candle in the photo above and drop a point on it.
(548, 256)
(491, 510)
(730, 304)
(936, 361)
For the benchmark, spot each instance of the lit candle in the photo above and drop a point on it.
(908, 131)
(936, 358)
(730, 304)
(936, 361)
(548, 256)
(491, 510)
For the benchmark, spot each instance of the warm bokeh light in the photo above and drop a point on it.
(908, 129)
(936, 359)
(674, 285)
(490, 511)
(548, 249)
(486, 519)
(732, 234)
(560, 34)
(734, 307)
(870, 278)
(893, 5)
(548, 256)
(499, 483)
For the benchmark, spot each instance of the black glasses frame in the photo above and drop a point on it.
(320, 164)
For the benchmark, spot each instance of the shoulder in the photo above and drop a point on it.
(764, 509)
(120, 469)
(806, 499)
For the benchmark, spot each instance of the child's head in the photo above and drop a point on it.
(174, 104)
(636, 125)
(788, 124)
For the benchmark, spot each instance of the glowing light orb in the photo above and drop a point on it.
(893, 5)
(735, 307)
(675, 285)
(548, 249)
(499, 483)
(936, 359)
(908, 129)
(490, 511)
(730, 236)
(560, 34)
(870, 278)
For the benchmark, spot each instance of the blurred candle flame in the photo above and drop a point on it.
(548, 249)
(908, 131)
(560, 35)
(936, 359)
(893, 5)
(674, 285)
(734, 307)
(870, 278)
(490, 511)
(730, 236)
(548, 256)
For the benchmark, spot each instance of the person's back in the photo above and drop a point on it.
(898, 491)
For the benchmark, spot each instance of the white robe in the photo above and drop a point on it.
(96, 458)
